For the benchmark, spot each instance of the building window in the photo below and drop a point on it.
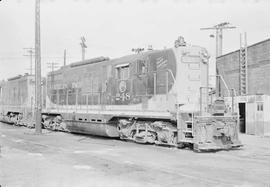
(259, 106)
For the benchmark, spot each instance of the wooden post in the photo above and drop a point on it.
(37, 69)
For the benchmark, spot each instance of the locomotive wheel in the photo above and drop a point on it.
(145, 137)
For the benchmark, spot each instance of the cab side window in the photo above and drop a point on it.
(122, 72)
(141, 67)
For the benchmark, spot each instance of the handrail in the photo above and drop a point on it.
(224, 82)
(78, 101)
(171, 74)
(169, 70)
(233, 95)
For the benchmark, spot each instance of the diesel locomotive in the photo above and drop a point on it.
(157, 97)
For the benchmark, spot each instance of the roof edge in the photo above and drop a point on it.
(252, 45)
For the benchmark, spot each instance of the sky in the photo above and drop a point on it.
(113, 27)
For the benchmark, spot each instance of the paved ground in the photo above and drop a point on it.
(61, 159)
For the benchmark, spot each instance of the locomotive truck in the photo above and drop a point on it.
(157, 97)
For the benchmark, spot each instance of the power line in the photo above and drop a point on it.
(219, 35)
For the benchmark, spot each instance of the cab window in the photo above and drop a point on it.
(122, 72)
(141, 67)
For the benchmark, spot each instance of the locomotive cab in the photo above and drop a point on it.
(202, 118)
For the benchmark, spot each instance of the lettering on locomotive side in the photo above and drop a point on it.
(122, 97)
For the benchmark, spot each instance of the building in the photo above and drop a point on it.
(254, 105)
(258, 77)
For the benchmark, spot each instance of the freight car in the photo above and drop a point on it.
(157, 97)
(17, 100)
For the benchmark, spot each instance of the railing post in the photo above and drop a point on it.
(179, 124)
(155, 83)
(57, 100)
(167, 84)
(76, 99)
(232, 101)
(67, 98)
(207, 99)
(201, 101)
(146, 89)
(87, 103)
(211, 98)
(99, 98)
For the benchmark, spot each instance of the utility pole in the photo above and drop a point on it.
(219, 35)
(83, 45)
(37, 69)
(31, 52)
(65, 57)
(219, 43)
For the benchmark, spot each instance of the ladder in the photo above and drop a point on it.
(243, 65)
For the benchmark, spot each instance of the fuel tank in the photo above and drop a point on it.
(92, 128)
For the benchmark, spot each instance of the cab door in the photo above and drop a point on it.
(250, 118)
(122, 75)
(143, 83)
